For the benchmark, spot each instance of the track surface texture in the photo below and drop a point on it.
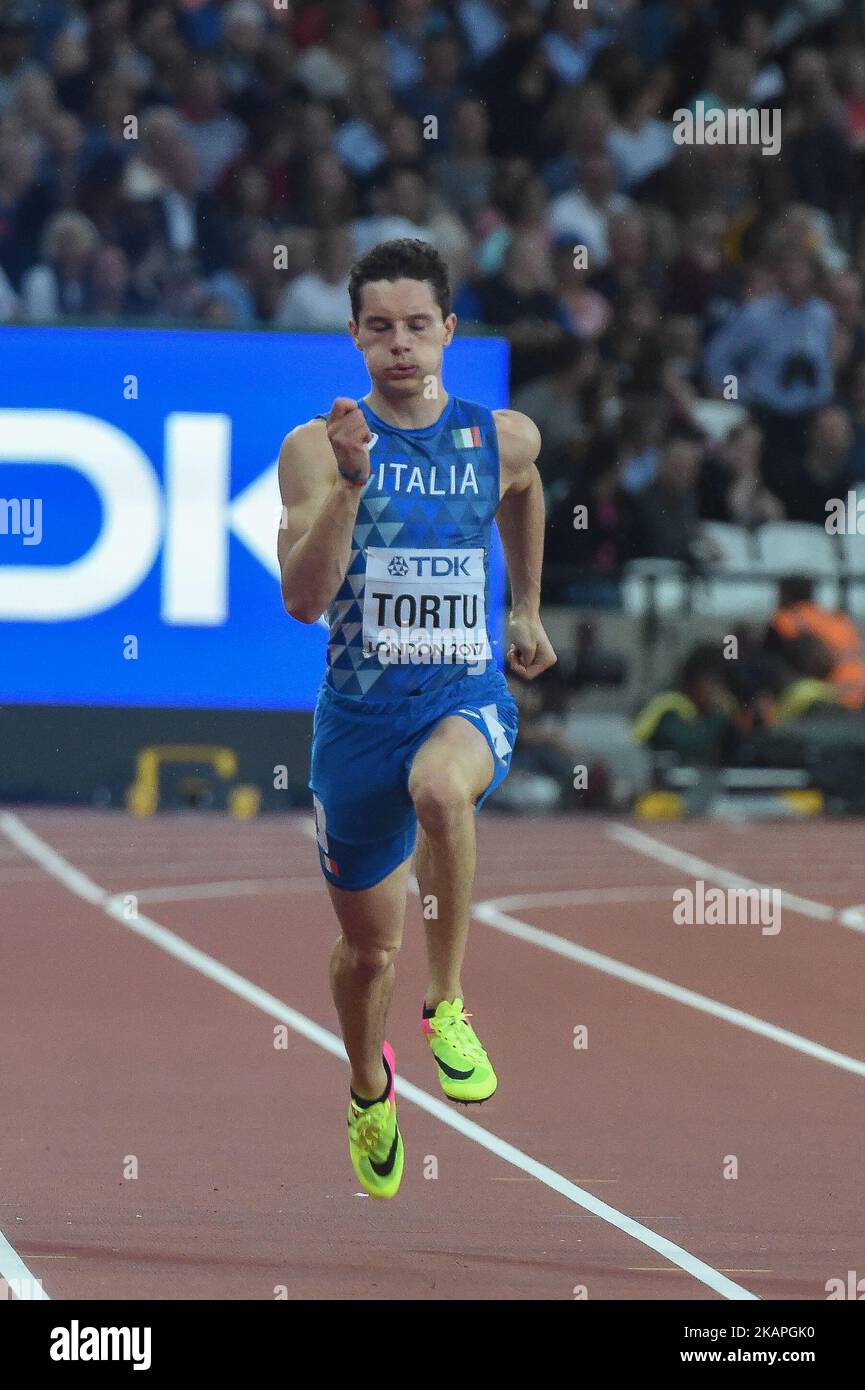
(680, 1107)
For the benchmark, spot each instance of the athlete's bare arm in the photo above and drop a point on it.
(319, 506)
(520, 520)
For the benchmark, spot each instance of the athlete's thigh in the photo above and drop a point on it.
(456, 748)
(373, 918)
(473, 743)
(365, 822)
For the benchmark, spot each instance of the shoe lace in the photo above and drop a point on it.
(369, 1128)
(458, 1033)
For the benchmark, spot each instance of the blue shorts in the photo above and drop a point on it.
(362, 752)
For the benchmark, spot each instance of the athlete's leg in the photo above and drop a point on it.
(362, 972)
(451, 769)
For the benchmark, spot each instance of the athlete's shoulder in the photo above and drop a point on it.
(306, 459)
(519, 439)
(311, 432)
(305, 442)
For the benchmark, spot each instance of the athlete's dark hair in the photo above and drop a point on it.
(403, 259)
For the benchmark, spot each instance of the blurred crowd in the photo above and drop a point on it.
(222, 162)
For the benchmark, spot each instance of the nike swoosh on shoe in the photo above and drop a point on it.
(384, 1170)
(452, 1072)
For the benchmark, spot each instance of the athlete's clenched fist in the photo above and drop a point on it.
(349, 433)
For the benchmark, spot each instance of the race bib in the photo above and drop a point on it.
(425, 605)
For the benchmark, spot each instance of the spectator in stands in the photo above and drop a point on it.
(26, 202)
(848, 301)
(699, 273)
(108, 103)
(731, 487)
(854, 399)
(640, 143)
(517, 85)
(16, 47)
(825, 471)
(799, 615)
(61, 284)
(588, 530)
(808, 689)
(361, 141)
(9, 305)
(216, 136)
(578, 126)
(584, 216)
(244, 36)
(464, 177)
(519, 202)
(249, 289)
(318, 299)
(439, 88)
(407, 207)
(665, 522)
(162, 180)
(818, 147)
(697, 720)
(642, 426)
(111, 293)
(328, 194)
(583, 311)
(555, 403)
(577, 35)
(520, 297)
(776, 353)
(628, 270)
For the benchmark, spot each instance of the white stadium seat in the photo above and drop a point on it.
(717, 596)
(669, 590)
(797, 547)
(853, 553)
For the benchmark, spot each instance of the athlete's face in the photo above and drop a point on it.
(402, 335)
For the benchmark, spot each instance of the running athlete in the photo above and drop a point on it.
(387, 509)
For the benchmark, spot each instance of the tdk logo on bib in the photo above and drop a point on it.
(435, 566)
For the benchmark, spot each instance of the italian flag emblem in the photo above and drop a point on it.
(467, 439)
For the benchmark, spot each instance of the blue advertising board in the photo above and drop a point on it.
(139, 510)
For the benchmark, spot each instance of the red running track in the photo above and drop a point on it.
(120, 1057)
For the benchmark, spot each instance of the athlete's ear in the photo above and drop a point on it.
(352, 328)
(450, 328)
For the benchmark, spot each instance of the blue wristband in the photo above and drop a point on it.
(349, 478)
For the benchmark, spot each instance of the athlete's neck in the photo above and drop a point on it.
(409, 413)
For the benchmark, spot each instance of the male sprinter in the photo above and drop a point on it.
(387, 508)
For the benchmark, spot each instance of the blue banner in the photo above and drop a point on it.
(139, 510)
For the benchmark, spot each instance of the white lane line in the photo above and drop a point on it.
(22, 1283)
(690, 864)
(230, 888)
(493, 913)
(587, 897)
(54, 864)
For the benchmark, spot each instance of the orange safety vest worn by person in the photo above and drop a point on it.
(796, 617)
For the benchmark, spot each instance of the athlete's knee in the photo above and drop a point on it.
(368, 959)
(440, 797)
